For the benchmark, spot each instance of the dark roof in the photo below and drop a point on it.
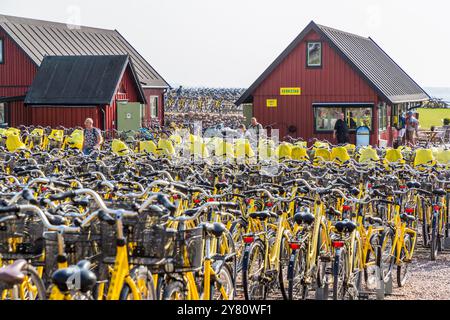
(43, 38)
(385, 76)
(79, 80)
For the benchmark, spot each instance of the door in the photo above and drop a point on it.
(129, 116)
(248, 113)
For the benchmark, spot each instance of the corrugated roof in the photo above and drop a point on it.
(78, 80)
(368, 59)
(39, 38)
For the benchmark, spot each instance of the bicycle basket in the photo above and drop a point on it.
(151, 245)
(133, 229)
(21, 239)
(80, 246)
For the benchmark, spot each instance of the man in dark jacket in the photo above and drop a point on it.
(341, 130)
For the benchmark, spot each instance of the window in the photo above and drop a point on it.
(326, 118)
(154, 106)
(2, 54)
(2, 113)
(314, 54)
(356, 116)
(382, 117)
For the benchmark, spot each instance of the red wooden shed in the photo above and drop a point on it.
(69, 89)
(324, 72)
(24, 43)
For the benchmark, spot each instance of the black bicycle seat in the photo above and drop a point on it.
(304, 218)
(345, 226)
(80, 275)
(216, 229)
(263, 215)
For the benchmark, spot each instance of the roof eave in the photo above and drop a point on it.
(276, 62)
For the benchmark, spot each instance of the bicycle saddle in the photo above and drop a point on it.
(221, 185)
(216, 229)
(304, 217)
(439, 192)
(263, 215)
(414, 184)
(78, 275)
(345, 226)
(12, 274)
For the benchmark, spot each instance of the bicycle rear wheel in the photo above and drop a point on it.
(252, 270)
(402, 269)
(297, 289)
(339, 274)
(144, 281)
(174, 290)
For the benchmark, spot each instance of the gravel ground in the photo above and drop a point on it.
(428, 280)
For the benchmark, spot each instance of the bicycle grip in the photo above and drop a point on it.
(105, 217)
(10, 209)
(229, 205)
(56, 220)
(28, 195)
(165, 202)
(61, 184)
(62, 196)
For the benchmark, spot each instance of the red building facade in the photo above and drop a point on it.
(22, 55)
(303, 99)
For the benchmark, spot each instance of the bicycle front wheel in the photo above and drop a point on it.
(144, 282)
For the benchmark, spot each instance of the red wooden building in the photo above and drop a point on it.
(69, 89)
(24, 43)
(325, 72)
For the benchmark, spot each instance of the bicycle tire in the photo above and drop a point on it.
(150, 286)
(174, 288)
(385, 261)
(229, 279)
(434, 238)
(37, 281)
(284, 264)
(339, 274)
(425, 226)
(403, 270)
(256, 246)
(297, 266)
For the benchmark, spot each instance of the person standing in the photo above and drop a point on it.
(402, 128)
(92, 137)
(412, 128)
(341, 130)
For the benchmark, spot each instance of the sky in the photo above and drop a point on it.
(229, 43)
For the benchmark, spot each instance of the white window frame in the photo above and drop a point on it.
(154, 108)
(2, 51)
(308, 44)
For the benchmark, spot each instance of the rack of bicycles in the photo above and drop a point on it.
(215, 100)
(146, 224)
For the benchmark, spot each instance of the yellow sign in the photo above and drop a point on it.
(290, 91)
(272, 103)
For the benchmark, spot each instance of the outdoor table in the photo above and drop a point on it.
(430, 136)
